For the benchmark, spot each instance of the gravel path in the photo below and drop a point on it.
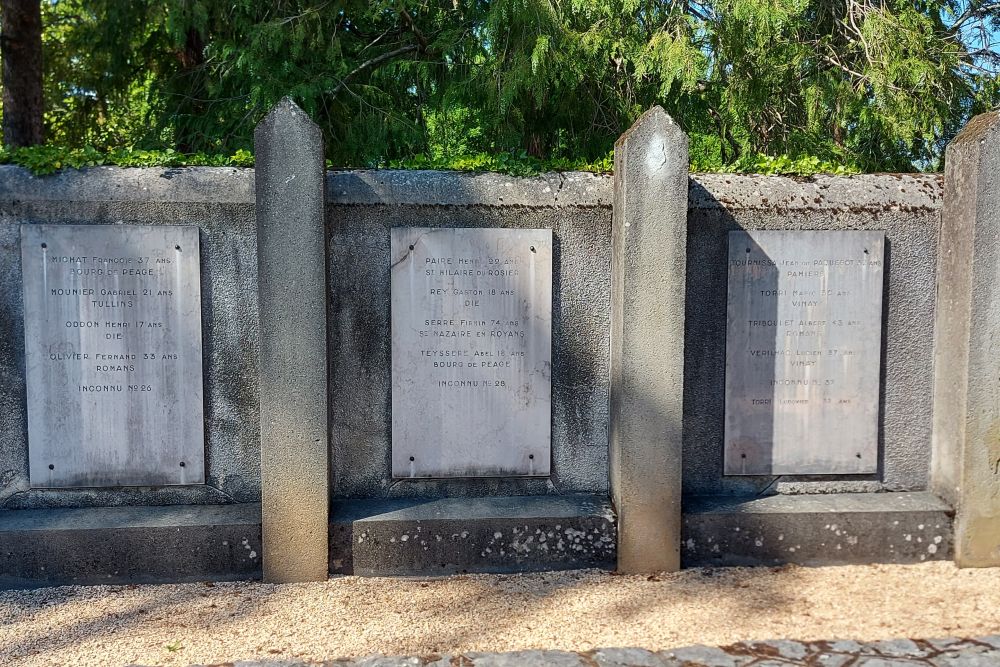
(573, 611)
(953, 652)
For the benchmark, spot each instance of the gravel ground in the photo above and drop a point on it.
(574, 611)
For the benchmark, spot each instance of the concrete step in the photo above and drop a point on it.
(116, 545)
(457, 535)
(822, 529)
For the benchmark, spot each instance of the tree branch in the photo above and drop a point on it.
(413, 27)
(373, 62)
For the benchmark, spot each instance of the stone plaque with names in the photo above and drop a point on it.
(112, 323)
(471, 352)
(803, 352)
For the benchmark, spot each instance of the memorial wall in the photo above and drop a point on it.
(551, 309)
(886, 322)
(158, 364)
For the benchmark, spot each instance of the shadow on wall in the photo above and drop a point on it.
(360, 338)
(710, 222)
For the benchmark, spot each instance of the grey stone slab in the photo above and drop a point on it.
(832, 659)
(895, 648)
(113, 355)
(471, 352)
(803, 352)
(786, 648)
(233, 185)
(392, 187)
(845, 646)
(229, 369)
(972, 658)
(649, 252)
(106, 545)
(147, 185)
(965, 442)
(817, 196)
(454, 535)
(291, 264)
(388, 661)
(526, 659)
(626, 657)
(706, 656)
(823, 529)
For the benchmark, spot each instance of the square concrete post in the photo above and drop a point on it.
(649, 237)
(291, 264)
(966, 431)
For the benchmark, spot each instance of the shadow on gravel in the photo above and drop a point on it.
(72, 616)
(550, 602)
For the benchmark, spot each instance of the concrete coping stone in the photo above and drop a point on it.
(105, 518)
(230, 185)
(465, 509)
(915, 501)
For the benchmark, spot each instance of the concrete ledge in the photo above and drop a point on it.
(230, 185)
(114, 545)
(217, 185)
(828, 529)
(456, 535)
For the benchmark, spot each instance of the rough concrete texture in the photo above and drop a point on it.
(360, 392)
(820, 529)
(197, 197)
(648, 256)
(949, 652)
(291, 263)
(363, 205)
(459, 535)
(907, 209)
(967, 367)
(109, 545)
(451, 188)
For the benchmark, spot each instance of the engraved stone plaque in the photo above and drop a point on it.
(471, 352)
(112, 323)
(803, 352)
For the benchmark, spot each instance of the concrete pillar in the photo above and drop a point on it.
(649, 237)
(966, 432)
(291, 263)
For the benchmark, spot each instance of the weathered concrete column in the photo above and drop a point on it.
(649, 236)
(966, 432)
(291, 262)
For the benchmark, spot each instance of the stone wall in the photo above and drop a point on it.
(361, 208)
(220, 203)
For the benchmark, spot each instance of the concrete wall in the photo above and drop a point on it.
(219, 202)
(907, 209)
(363, 206)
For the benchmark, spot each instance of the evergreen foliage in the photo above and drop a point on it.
(864, 85)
